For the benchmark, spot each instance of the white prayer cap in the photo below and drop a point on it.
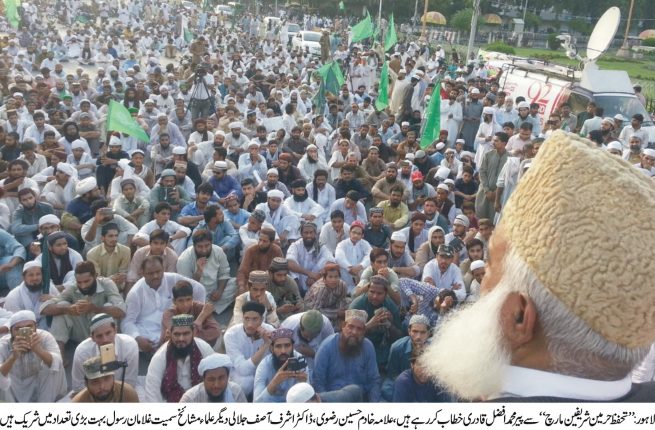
(179, 150)
(649, 152)
(123, 163)
(487, 110)
(443, 187)
(136, 151)
(275, 194)
(410, 156)
(115, 141)
(66, 169)
(219, 133)
(524, 105)
(404, 124)
(419, 319)
(236, 124)
(466, 154)
(477, 264)
(78, 144)
(253, 143)
(449, 182)
(163, 87)
(214, 361)
(442, 173)
(615, 145)
(302, 392)
(49, 219)
(475, 91)
(462, 220)
(312, 146)
(619, 117)
(99, 320)
(398, 236)
(459, 141)
(86, 185)
(356, 314)
(31, 264)
(21, 316)
(608, 120)
(439, 146)
(17, 94)
(161, 115)
(272, 171)
(149, 101)
(220, 165)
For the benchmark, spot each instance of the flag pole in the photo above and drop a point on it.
(380, 18)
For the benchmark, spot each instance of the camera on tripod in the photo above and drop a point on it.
(200, 73)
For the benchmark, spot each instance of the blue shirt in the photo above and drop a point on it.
(379, 337)
(239, 218)
(80, 209)
(225, 186)
(10, 247)
(333, 370)
(407, 390)
(224, 235)
(190, 209)
(264, 375)
(26, 223)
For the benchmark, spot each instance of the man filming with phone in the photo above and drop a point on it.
(31, 368)
(280, 370)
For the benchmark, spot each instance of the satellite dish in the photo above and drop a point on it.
(603, 33)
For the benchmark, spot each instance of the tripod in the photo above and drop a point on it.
(197, 92)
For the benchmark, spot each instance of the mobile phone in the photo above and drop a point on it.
(107, 353)
(295, 364)
(25, 332)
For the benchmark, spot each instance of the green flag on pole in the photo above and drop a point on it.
(319, 99)
(342, 6)
(390, 39)
(432, 119)
(11, 12)
(332, 76)
(383, 97)
(362, 30)
(119, 119)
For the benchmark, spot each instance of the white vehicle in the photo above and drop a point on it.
(224, 9)
(292, 30)
(308, 40)
(551, 85)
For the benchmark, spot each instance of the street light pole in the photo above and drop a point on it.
(474, 27)
(425, 12)
(624, 51)
(520, 35)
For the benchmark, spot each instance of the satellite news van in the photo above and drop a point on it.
(552, 85)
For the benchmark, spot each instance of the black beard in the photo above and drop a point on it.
(394, 204)
(311, 160)
(277, 362)
(100, 399)
(349, 350)
(33, 288)
(216, 399)
(91, 290)
(391, 181)
(183, 352)
(271, 185)
(308, 243)
(635, 149)
(404, 176)
(204, 256)
(300, 198)
(265, 250)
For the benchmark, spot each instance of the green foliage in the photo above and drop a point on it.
(462, 19)
(532, 21)
(580, 26)
(648, 42)
(500, 47)
(553, 43)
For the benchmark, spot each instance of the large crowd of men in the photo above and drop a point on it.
(258, 247)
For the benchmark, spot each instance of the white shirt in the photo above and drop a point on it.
(146, 306)
(312, 260)
(352, 254)
(240, 348)
(446, 280)
(20, 299)
(158, 366)
(524, 382)
(126, 349)
(292, 322)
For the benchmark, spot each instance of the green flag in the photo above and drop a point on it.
(342, 6)
(362, 30)
(188, 36)
(332, 76)
(11, 12)
(119, 119)
(432, 119)
(390, 39)
(383, 97)
(319, 99)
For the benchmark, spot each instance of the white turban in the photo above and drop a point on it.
(214, 361)
(66, 169)
(49, 219)
(21, 316)
(86, 185)
(31, 264)
(78, 144)
(275, 194)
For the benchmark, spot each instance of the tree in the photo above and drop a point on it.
(462, 19)
(580, 26)
(532, 21)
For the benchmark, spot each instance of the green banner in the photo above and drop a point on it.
(382, 101)
(11, 12)
(119, 119)
(432, 119)
(390, 39)
(362, 30)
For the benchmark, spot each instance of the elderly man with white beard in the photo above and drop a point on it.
(565, 313)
